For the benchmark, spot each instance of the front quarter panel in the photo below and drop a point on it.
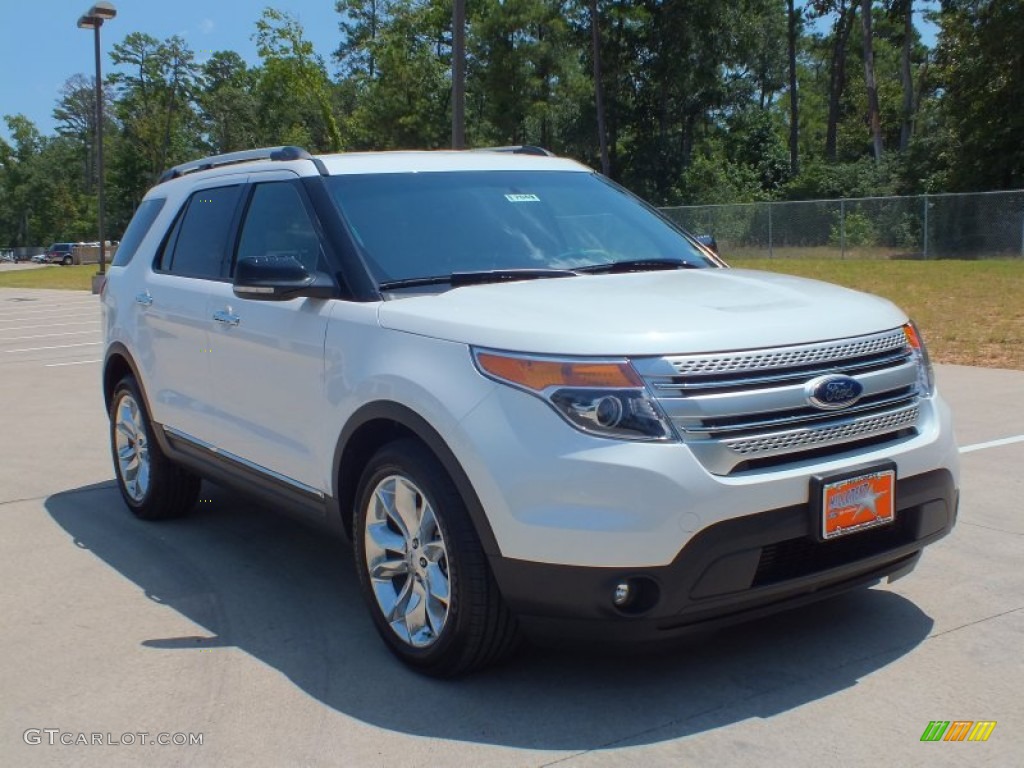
(365, 363)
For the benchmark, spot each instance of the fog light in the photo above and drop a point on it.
(622, 594)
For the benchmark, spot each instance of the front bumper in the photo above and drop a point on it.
(734, 570)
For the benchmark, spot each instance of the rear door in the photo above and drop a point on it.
(174, 341)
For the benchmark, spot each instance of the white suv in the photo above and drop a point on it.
(534, 404)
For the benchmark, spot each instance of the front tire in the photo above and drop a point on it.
(421, 567)
(153, 487)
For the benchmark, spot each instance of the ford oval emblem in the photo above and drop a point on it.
(833, 392)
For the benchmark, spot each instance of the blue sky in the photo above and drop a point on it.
(41, 46)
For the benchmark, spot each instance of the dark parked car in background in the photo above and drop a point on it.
(61, 253)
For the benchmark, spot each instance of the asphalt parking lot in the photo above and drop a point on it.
(247, 628)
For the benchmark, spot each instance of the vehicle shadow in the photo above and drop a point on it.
(287, 594)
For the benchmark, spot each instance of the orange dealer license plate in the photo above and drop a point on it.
(850, 503)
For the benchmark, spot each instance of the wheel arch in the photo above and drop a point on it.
(118, 363)
(377, 423)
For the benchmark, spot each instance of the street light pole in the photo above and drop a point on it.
(459, 74)
(93, 20)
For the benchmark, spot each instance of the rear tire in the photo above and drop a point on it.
(153, 487)
(66, 261)
(421, 567)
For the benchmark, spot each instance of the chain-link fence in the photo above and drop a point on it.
(948, 226)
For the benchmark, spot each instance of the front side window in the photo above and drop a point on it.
(277, 224)
(201, 245)
(412, 225)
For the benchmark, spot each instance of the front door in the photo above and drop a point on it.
(267, 357)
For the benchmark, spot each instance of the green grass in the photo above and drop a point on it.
(66, 278)
(970, 312)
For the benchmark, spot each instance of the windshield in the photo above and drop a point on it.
(412, 225)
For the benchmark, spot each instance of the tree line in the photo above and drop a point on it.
(682, 101)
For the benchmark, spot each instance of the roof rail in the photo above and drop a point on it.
(518, 149)
(245, 156)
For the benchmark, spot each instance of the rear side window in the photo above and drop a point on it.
(137, 230)
(201, 246)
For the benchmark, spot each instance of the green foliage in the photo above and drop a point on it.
(819, 180)
(293, 92)
(854, 229)
(696, 108)
(980, 62)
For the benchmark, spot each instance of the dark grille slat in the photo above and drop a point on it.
(794, 558)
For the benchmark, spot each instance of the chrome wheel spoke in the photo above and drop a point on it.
(384, 503)
(437, 584)
(407, 506)
(416, 616)
(427, 524)
(396, 612)
(382, 539)
(385, 570)
(434, 551)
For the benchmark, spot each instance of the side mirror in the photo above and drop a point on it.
(278, 278)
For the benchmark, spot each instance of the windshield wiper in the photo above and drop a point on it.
(456, 279)
(636, 265)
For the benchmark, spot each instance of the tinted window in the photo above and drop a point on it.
(201, 245)
(139, 226)
(425, 224)
(277, 224)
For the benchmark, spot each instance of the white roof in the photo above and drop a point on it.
(445, 160)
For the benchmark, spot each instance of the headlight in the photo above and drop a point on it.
(600, 397)
(925, 373)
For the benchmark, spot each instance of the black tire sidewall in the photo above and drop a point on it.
(410, 459)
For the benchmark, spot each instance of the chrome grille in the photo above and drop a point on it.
(740, 409)
(801, 439)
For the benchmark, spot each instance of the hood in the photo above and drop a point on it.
(644, 313)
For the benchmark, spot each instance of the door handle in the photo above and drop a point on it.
(144, 299)
(226, 317)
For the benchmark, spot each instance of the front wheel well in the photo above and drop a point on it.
(359, 449)
(378, 423)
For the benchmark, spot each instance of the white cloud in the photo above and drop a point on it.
(206, 26)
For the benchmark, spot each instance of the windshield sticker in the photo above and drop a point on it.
(522, 198)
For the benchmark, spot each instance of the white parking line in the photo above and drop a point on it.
(76, 362)
(44, 322)
(63, 307)
(44, 313)
(47, 335)
(44, 316)
(50, 325)
(59, 346)
(992, 444)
